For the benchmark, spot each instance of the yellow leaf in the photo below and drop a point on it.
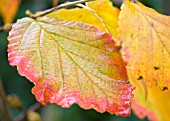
(145, 35)
(103, 8)
(8, 9)
(157, 105)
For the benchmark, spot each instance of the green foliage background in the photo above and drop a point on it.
(15, 84)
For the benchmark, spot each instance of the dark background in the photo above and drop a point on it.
(15, 84)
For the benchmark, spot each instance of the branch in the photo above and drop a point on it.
(7, 27)
(4, 111)
(23, 114)
(65, 5)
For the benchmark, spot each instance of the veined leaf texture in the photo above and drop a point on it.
(103, 9)
(145, 43)
(70, 62)
(144, 34)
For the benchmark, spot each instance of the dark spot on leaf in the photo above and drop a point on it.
(119, 48)
(156, 83)
(80, 16)
(140, 77)
(156, 68)
(164, 88)
(131, 36)
(152, 24)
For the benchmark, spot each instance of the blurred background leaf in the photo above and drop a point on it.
(8, 9)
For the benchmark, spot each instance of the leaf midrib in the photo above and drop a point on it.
(77, 64)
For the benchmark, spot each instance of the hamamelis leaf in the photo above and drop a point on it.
(157, 105)
(103, 9)
(8, 9)
(70, 62)
(145, 36)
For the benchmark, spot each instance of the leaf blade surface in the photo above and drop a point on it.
(144, 34)
(103, 9)
(155, 107)
(145, 39)
(70, 62)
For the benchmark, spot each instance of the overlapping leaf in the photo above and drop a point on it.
(145, 35)
(157, 105)
(103, 8)
(145, 40)
(8, 9)
(70, 62)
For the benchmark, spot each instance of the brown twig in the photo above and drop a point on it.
(65, 5)
(22, 115)
(4, 111)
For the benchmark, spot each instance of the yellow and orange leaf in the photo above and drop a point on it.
(103, 8)
(8, 9)
(157, 105)
(145, 36)
(70, 62)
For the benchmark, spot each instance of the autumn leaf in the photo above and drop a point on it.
(70, 62)
(8, 9)
(144, 34)
(104, 10)
(157, 105)
(145, 39)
